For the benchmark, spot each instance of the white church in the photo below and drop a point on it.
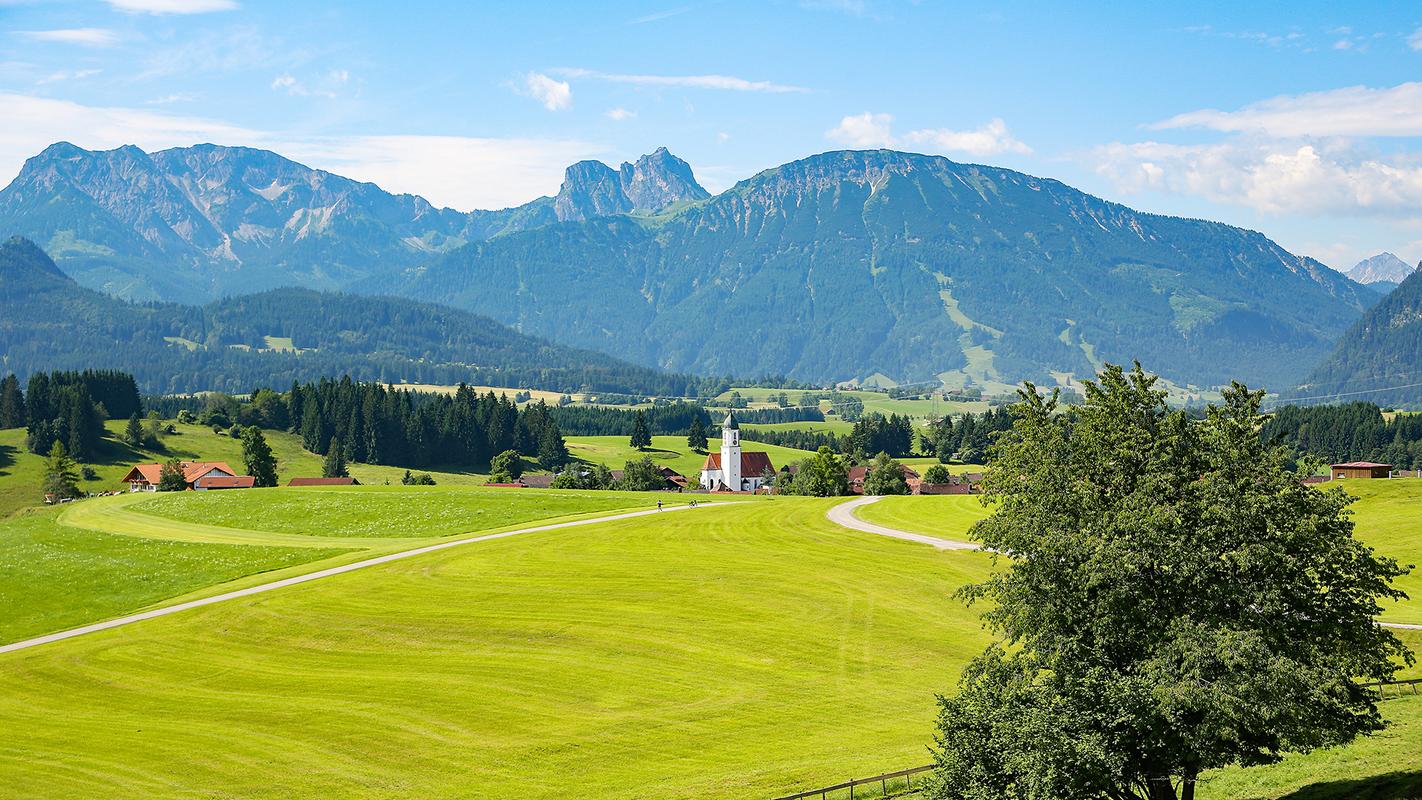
(731, 470)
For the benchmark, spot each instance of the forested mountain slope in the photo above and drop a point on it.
(848, 263)
(1380, 351)
(278, 336)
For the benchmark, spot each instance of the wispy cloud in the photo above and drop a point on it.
(171, 6)
(1415, 40)
(454, 171)
(721, 82)
(659, 15)
(555, 95)
(328, 85)
(176, 97)
(88, 37)
(69, 75)
(869, 130)
(1354, 111)
(619, 114)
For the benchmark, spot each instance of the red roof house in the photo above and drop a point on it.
(145, 477)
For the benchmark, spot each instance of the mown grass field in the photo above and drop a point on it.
(671, 451)
(738, 651)
(105, 557)
(731, 651)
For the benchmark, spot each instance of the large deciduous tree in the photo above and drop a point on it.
(885, 476)
(1174, 600)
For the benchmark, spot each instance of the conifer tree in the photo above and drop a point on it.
(133, 432)
(641, 434)
(61, 478)
(334, 465)
(12, 403)
(257, 457)
(696, 438)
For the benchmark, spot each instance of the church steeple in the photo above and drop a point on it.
(731, 452)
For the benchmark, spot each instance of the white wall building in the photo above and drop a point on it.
(732, 470)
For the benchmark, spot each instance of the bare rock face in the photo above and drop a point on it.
(1381, 268)
(655, 182)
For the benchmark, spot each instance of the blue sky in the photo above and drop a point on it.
(1303, 120)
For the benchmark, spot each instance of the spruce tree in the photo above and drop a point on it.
(133, 432)
(641, 434)
(257, 457)
(552, 450)
(696, 438)
(12, 403)
(334, 465)
(61, 478)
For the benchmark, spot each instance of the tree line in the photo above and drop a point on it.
(1347, 432)
(67, 408)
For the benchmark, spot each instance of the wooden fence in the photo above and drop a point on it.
(881, 781)
(1399, 688)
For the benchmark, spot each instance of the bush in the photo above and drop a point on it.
(88, 473)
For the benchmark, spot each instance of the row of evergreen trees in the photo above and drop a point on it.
(966, 440)
(373, 424)
(1347, 432)
(67, 407)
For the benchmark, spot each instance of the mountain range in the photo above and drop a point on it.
(831, 268)
(280, 335)
(1383, 271)
(1380, 351)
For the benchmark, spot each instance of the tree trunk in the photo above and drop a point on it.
(1161, 788)
(1187, 787)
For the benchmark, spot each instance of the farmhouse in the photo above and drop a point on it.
(1361, 469)
(198, 475)
(731, 470)
(857, 476)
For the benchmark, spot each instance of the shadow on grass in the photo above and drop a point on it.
(7, 457)
(1392, 786)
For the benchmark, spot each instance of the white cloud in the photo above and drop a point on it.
(555, 95)
(1273, 177)
(327, 86)
(287, 82)
(723, 137)
(619, 114)
(1415, 40)
(660, 15)
(989, 140)
(171, 6)
(88, 37)
(454, 171)
(176, 97)
(870, 130)
(863, 130)
(1354, 111)
(721, 82)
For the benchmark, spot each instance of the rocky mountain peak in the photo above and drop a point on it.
(650, 184)
(1383, 267)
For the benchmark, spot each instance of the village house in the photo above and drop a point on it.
(197, 475)
(732, 470)
(857, 476)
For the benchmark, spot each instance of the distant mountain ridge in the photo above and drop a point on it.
(1383, 268)
(1380, 351)
(272, 338)
(847, 263)
(194, 223)
(830, 268)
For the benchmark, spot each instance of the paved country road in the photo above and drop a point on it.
(843, 514)
(326, 573)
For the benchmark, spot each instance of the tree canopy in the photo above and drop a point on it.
(1175, 600)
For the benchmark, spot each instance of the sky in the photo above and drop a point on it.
(1300, 120)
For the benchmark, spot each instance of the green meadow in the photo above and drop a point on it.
(873, 401)
(741, 649)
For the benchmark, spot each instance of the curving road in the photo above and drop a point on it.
(325, 573)
(843, 514)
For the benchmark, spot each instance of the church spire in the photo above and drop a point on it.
(730, 423)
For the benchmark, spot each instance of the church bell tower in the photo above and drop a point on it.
(731, 453)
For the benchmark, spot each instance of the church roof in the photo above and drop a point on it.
(730, 424)
(752, 464)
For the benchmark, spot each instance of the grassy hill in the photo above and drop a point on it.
(21, 471)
